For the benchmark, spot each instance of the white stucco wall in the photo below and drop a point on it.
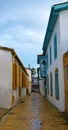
(60, 104)
(16, 95)
(42, 87)
(23, 90)
(64, 30)
(5, 78)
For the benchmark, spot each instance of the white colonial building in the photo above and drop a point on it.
(13, 78)
(54, 47)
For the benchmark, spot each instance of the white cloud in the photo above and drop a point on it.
(23, 26)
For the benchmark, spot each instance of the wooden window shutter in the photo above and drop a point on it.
(13, 74)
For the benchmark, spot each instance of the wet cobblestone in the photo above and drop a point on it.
(35, 113)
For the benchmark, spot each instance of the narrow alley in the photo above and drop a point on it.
(35, 113)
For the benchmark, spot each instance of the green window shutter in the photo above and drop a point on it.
(55, 46)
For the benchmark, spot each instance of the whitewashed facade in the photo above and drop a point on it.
(42, 86)
(13, 83)
(54, 47)
(5, 79)
(62, 46)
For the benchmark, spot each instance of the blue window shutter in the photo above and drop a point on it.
(51, 91)
(55, 46)
(50, 55)
(47, 60)
(43, 69)
(47, 84)
(56, 85)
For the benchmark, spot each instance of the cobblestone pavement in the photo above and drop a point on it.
(35, 113)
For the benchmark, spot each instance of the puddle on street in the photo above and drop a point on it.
(36, 124)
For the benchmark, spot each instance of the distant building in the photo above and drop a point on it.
(35, 85)
(41, 74)
(29, 81)
(13, 78)
(55, 47)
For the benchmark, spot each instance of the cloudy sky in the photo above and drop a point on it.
(23, 25)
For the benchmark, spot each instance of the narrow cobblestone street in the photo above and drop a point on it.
(35, 113)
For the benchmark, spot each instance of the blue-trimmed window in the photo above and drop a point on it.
(50, 55)
(43, 69)
(56, 84)
(47, 60)
(51, 85)
(55, 46)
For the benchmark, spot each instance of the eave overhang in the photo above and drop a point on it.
(55, 11)
(40, 58)
(16, 57)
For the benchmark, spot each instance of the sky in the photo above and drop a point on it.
(23, 25)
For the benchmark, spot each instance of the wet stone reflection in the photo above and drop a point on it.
(36, 124)
(36, 113)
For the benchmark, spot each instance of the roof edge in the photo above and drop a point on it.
(54, 13)
(15, 55)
